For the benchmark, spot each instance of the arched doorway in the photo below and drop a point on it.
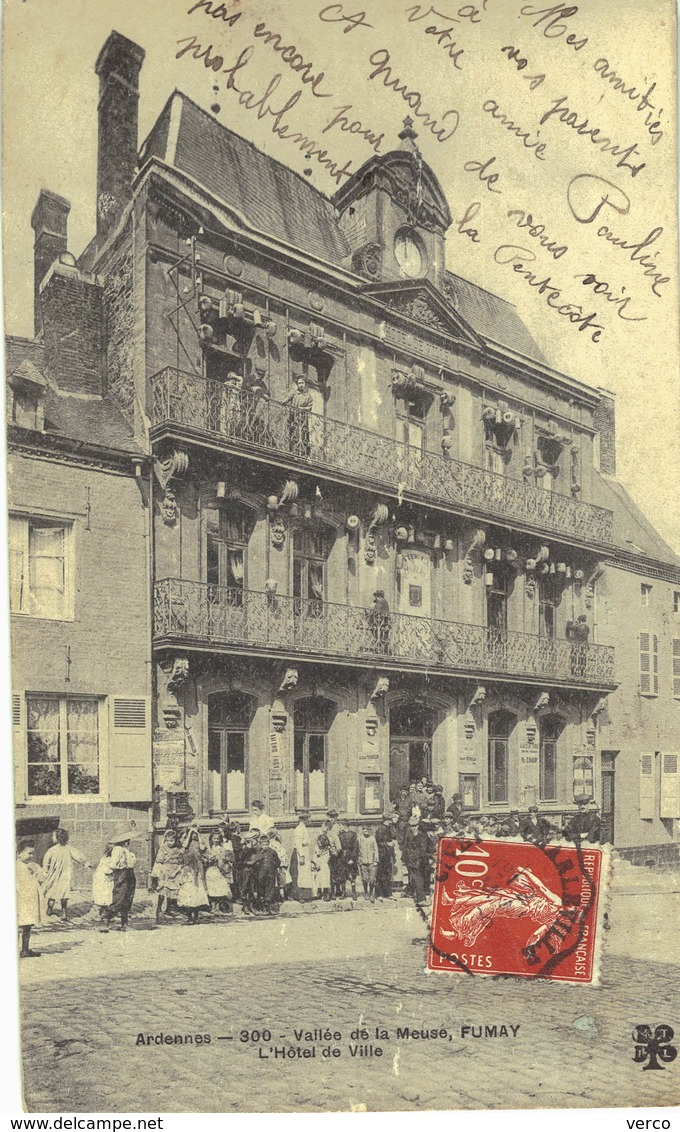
(411, 729)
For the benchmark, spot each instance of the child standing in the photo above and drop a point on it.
(368, 862)
(29, 896)
(219, 873)
(321, 867)
(58, 868)
(192, 894)
(166, 872)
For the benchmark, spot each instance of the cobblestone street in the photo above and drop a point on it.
(89, 996)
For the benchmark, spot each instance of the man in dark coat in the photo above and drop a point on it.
(416, 857)
(535, 828)
(456, 807)
(379, 622)
(268, 877)
(251, 857)
(384, 836)
(350, 858)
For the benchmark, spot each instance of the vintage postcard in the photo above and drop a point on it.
(341, 378)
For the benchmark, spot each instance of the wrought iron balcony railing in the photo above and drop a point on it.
(203, 613)
(252, 421)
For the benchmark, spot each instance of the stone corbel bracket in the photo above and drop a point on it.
(380, 690)
(590, 588)
(476, 544)
(172, 465)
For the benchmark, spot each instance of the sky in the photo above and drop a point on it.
(462, 77)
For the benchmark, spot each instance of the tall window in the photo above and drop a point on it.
(501, 724)
(312, 720)
(63, 746)
(412, 423)
(649, 664)
(645, 595)
(550, 730)
(229, 718)
(497, 600)
(548, 601)
(40, 569)
(228, 531)
(676, 601)
(309, 570)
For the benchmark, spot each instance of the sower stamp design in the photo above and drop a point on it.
(507, 908)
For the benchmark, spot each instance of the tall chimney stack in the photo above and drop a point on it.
(118, 66)
(605, 424)
(49, 221)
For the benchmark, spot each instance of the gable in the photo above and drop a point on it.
(419, 301)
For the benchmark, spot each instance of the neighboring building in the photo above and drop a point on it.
(79, 579)
(331, 413)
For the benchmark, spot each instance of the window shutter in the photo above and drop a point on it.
(655, 665)
(647, 786)
(130, 749)
(19, 746)
(645, 666)
(676, 667)
(670, 786)
(646, 663)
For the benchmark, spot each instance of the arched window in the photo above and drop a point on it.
(312, 716)
(229, 717)
(501, 725)
(550, 729)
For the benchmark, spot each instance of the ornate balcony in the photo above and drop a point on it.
(202, 614)
(251, 422)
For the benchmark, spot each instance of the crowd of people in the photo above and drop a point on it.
(249, 865)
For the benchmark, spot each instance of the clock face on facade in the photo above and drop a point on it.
(408, 255)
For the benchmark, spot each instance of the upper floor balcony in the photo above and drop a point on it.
(249, 422)
(206, 615)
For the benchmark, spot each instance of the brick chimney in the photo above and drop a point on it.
(49, 221)
(605, 423)
(72, 307)
(118, 66)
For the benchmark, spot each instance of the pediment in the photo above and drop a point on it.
(420, 301)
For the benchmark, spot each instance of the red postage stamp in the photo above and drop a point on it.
(516, 908)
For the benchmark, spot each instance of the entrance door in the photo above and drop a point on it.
(411, 729)
(399, 759)
(608, 798)
(410, 760)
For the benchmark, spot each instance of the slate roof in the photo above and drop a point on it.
(277, 200)
(272, 197)
(632, 531)
(493, 318)
(94, 422)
